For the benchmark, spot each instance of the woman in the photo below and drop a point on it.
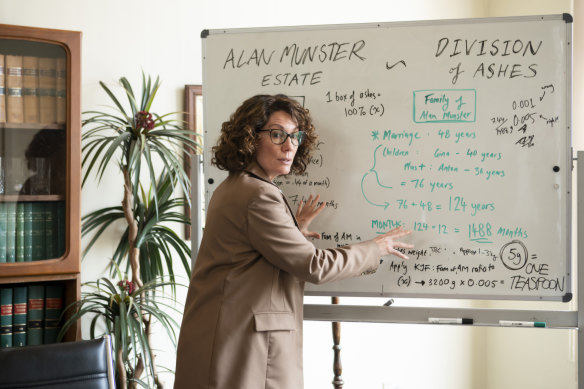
(242, 325)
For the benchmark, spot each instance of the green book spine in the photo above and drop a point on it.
(27, 232)
(5, 317)
(50, 227)
(36, 310)
(10, 232)
(61, 228)
(38, 232)
(2, 232)
(19, 232)
(54, 295)
(20, 309)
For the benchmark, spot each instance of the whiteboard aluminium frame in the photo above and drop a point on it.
(205, 33)
(565, 252)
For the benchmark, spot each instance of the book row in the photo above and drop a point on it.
(32, 231)
(30, 314)
(32, 89)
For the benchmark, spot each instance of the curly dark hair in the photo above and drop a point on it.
(237, 144)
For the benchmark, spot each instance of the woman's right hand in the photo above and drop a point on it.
(306, 213)
(387, 242)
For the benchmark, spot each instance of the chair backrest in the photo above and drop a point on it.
(86, 364)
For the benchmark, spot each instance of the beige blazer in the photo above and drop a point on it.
(242, 324)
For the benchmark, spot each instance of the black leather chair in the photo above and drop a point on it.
(86, 364)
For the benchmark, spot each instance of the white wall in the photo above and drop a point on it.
(121, 38)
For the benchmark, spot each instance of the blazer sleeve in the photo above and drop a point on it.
(274, 235)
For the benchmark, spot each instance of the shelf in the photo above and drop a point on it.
(36, 278)
(29, 198)
(32, 126)
(72, 285)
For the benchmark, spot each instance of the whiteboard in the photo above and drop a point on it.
(459, 130)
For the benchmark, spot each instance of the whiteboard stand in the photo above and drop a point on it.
(564, 319)
(274, 60)
(579, 268)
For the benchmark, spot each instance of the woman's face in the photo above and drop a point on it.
(276, 159)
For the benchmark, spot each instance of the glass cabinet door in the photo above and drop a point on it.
(33, 150)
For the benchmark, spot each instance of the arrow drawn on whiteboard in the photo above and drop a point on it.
(546, 87)
(385, 203)
(372, 171)
(395, 64)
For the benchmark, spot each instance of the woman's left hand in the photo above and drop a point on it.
(306, 212)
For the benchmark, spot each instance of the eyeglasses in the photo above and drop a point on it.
(278, 136)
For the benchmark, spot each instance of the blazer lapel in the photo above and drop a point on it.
(255, 171)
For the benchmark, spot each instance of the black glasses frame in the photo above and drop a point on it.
(295, 137)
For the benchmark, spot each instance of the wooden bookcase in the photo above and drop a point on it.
(48, 139)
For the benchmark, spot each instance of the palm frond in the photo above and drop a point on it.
(113, 97)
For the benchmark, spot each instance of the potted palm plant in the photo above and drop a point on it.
(145, 147)
(118, 309)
